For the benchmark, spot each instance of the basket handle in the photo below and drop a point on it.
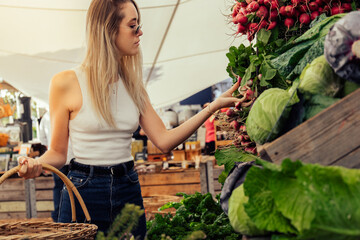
(69, 185)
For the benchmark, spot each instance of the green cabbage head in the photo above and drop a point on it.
(239, 219)
(319, 78)
(266, 111)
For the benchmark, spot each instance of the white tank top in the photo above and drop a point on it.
(93, 141)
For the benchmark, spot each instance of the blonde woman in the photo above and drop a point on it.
(99, 105)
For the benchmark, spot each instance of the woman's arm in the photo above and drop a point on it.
(60, 88)
(165, 139)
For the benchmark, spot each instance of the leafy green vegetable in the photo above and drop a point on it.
(316, 103)
(289, 63)
(319, 78)
(239, 220)
(197, 213)
(261, 207)
(228, 158)
(262, 123)
(308, 200)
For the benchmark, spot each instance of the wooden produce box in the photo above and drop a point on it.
(332, 137)
(31, 198)
(170, 183)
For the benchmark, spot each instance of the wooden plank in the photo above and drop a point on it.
(10, 195)
(217, 186)
(217, 171)
(13, 184)
(185, 177)
(12, 215)
(13, 206)
(351, 160)
(323, 139)
(45, 206)
(210, 176)
(46, 214)
(148, 191)
(44, 182)
(44, 194)
(203, 178)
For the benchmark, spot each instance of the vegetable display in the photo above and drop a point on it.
(250, 16)
(300, 201)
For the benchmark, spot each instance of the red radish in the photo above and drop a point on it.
(304, 19)
(303, 8)
(243, 4)
(267, 3)
(249, 94)
(336, 10)
(289, 22)
(313, 6)
(326, 9)
(263, 24)
(243, 128)
(289, 10)
(253, 27)
(250, 150)
(241, 29)
(261, 2)
(252, 7)
(314, 15)
(273, 14)
(282, 11)
(262, 12)
(238, 105)
(236, 10)
(230, 112)
(274, 4)
(295, 2)
(347, 7)
(243, 11)
(272, 25)
(320, 10)
(319, 2)
(235, 125)
(250, 36)
(242, 19)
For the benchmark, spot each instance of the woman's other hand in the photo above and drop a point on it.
(30, 168)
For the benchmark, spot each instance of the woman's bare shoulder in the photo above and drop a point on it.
(64, 80)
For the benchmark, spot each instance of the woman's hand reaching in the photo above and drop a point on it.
(30, 168)
(225, 100)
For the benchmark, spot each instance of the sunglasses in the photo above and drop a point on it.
(137, 30)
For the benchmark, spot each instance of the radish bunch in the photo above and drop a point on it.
(235, 118)
(252, 15)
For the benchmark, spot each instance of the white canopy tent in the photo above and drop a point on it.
(184, 44)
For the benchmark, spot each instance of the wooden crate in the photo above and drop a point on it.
(16, 201)
(170, 183)
(153, 203)
(330, 138)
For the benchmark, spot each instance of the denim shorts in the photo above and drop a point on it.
(104, 197)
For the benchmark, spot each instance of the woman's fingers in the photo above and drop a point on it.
(30, 168)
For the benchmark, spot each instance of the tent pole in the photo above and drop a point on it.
(162, 43)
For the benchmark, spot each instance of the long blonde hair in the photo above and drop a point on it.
(103, 63)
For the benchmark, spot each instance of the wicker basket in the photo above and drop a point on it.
(28, 229)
